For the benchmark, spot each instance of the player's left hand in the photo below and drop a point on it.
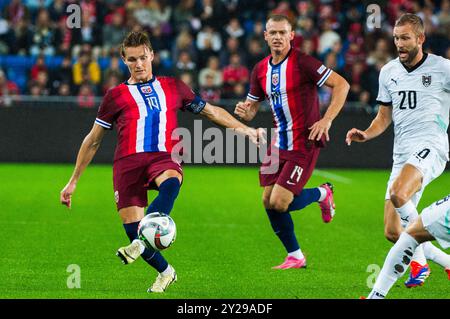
(319, 128)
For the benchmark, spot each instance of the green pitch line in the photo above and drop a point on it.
(225, 247)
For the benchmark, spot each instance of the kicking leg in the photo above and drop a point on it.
(166, 274)
(131, 216)
(169, 183)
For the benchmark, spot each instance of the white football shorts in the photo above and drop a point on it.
(436, 220)
(427, 160)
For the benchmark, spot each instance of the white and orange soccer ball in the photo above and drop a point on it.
(157, 230)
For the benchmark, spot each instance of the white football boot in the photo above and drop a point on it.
(130, 253)
(163, 281)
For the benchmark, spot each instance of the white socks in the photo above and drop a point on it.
(408, 213)
(297, 254)
(435, 254)
(169, 270)
(419, 256)
(395, 265)
(323, 193)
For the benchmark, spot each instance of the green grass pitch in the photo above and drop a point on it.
(225, 247)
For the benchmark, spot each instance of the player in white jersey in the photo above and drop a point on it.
(433, 223)
(414, 94)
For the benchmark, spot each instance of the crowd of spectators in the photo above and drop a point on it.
(210, 44)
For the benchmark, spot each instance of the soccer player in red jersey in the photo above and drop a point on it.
(289, 80)
(144, 111)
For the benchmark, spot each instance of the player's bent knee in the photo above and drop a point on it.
(169, 174)
(279, 204)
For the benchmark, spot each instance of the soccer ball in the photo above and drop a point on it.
(157, 231)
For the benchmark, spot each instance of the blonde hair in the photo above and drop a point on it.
(414, 20)
(278, 18)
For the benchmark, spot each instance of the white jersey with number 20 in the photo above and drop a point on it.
(420, 100)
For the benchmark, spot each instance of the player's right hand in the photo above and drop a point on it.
(66, 194)
(242, 110)
(355, 135)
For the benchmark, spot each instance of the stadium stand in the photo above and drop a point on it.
(35, 40)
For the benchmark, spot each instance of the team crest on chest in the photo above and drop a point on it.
(146, 89)
(275, 78)
(426, 80)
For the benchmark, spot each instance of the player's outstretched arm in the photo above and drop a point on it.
(221, 117)
(246, 110)
(379, 124)
(340, 90)
(85, 155)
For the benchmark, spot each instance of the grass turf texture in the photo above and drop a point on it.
(225, 247)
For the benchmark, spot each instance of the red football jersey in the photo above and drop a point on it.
(146, 114)
(291, 88)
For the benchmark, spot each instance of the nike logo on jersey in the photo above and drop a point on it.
(290, 183)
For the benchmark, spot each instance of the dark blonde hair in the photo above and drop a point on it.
(279, 18)
(414, 20)
(135, 39)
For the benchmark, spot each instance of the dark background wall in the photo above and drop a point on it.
(49, 134)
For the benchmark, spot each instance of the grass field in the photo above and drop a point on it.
(225, 247)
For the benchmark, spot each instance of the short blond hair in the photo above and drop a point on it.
(279, 18)
(414, 20)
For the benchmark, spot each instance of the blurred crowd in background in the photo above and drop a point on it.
(212, 45)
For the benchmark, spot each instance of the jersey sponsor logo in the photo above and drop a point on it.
(146, 89)
(426, 80)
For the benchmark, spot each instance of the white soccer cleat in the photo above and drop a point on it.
(129, 253)
(163, 281)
